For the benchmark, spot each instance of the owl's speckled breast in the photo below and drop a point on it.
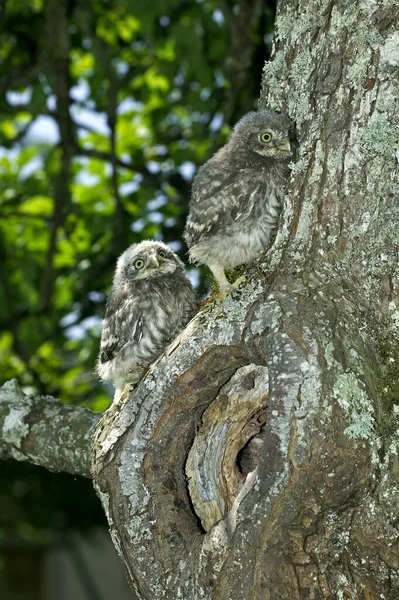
(241, 239)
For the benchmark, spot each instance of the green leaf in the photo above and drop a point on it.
(38, 205)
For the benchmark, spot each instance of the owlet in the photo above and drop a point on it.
(237, 195)
(151, 299)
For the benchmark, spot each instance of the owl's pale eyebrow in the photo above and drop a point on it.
(136, 256)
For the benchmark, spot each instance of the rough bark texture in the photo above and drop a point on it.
(45, 432)
(302, 357)
(258, 459)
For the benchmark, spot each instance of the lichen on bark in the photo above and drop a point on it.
(313, 322)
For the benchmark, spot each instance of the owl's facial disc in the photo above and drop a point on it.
(153, 264)
(274, 144)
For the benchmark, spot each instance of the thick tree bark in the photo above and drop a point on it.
(258, 459)
(303, 357)
(45, 432)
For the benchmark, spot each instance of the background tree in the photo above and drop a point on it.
(301, 363)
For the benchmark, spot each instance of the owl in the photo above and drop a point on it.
(237, 195)
(151, 299)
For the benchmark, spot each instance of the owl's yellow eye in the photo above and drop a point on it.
(139, 264)
(162, 253)
(266, 137)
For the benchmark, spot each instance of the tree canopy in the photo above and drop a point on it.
(106, 110)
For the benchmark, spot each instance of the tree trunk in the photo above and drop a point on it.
(258, 459)
(299, 364)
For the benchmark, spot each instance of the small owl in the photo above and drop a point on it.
(151, 299)
(237, 195)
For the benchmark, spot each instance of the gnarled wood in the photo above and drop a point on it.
(235, 417)
(44, 431)
(317, 315)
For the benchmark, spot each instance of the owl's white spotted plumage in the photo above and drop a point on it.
(237, 195)
(150, 301)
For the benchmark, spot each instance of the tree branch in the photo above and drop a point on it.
(45, 432)
(57, 23)
(101, 155)
(2, 7)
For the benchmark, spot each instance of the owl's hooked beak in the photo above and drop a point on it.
(153, 262)
(284, 146)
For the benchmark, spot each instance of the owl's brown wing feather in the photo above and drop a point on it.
(218, 198)
(119, 318)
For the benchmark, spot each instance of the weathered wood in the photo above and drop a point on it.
(44, 431)
(318, 315)
(236, 415)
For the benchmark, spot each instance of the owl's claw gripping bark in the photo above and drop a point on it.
(225, 288)
(238, 282)
(121, 394)
(230, 288)
(224, 291)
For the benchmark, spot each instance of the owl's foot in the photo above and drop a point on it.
(230, 288)
(239, 282)
(225, 288)
(121, 394)
(119, 397)
(225, 291)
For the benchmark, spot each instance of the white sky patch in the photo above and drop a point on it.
(218, 17)
(11, 154)
(96, 296)
(205, 94)
(78, 332)
(35, 164)
(216, 122)
(153, 166)
(156, 217)
(51, 102)
(194, 277)
(128, 105)
(44, 129)
(159, 201)
(122, 67)
(170, 222)
(87, 179)
(69, 319)
(187, 170)
(138, 225)
(129, 187)
(81, 91)
(15, 98)
(164, 20)
(88, 118)
(175, 245)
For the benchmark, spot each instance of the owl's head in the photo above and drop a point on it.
(144, 261)
(265, 133)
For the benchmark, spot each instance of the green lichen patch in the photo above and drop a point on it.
(382, 136)
(359, 409)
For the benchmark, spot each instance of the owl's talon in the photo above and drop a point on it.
(230, 289)
(239, 282)
(119, 397)
(224, 292)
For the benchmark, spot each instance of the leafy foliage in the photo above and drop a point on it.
(106, 110)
